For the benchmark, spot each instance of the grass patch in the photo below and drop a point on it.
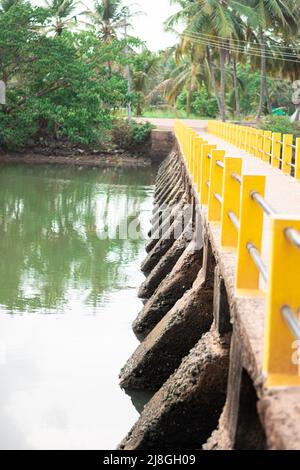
(170, 114)
(164, 114)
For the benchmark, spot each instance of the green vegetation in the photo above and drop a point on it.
(245, 54)
(67, 69)
(130, 135)
(170, 114)
(280, 124)
(62, 84)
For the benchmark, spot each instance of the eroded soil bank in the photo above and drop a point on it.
(151, 153)
(85, 160)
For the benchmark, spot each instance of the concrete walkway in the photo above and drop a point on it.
(169, 123)
(282, 191)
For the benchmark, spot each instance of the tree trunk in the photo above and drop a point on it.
(189, 102)
(222, 69)
(213, 78)
(263, 75)
(139, 109)
(236, 90)
(268, 100)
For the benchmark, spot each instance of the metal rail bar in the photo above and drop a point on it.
(262, 203)
(286, 145)
(219, 198)
(220, 164)
(293, 236)
(234, 220)
(293, 146)
(236, 178)
(291, 320)
(255, 255)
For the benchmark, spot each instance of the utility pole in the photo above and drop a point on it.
(128, 75)
(296, 101)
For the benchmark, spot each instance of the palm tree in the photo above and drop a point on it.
(109, 16)
(64, 14)
(219, 21)
(189, 14)
(143, 69)
(190, 73)
(272, 16)
(233, 58)
(224, 22)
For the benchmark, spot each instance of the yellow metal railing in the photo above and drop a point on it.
(236, 202)
(279, 150)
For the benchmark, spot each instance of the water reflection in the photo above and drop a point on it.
(50, 222)
(59, 372)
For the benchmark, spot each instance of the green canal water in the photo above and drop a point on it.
(68, 296)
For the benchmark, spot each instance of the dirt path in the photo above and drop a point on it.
(169, 123)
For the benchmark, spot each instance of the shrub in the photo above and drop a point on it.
(280, 124)
(277, 124)
(202, 103)
(129, 135)
(59, 86)
(205, 105)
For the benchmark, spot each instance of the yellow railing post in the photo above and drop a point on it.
(297, 159)
(287, 153)
(249, 137)
(253, 142)
(231, 201)
(241, 141)
(202, 143)
(238, 140)
(276, 150)
(260, 143)
(195, 138)
(227, 136)
(233, 134)
(267, 146)
(215, 186)
(191, 152)
(263, 144)
(242, 137)
(205, 173)
(229, 133)
(190, 148)
(251, 226)
(236, 135)
(197, 159)
(283, 291)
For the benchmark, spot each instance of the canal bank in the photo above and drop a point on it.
(151, 153)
